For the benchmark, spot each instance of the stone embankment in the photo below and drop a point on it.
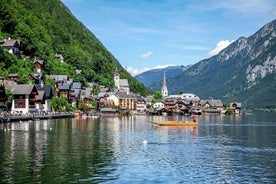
(12, 118)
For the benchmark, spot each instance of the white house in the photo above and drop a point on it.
(24, 98)
(158, 105)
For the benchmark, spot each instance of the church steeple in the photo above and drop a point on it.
(117, 78)
(164, 89)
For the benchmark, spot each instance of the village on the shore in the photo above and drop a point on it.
(36, 99)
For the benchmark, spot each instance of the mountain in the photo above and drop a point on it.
(47, 27)
(150, 77)
(245, 71)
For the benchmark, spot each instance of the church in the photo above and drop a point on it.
(121, 84)
(164, 89)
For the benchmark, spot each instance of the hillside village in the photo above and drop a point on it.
(37, 97)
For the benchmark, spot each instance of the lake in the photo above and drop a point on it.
(222, 149)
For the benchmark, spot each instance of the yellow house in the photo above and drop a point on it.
(114, 98)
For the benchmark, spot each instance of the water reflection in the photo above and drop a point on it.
(222, 149)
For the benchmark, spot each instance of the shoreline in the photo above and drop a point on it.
(35, 117)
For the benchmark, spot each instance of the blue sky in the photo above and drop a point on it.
(146, 34)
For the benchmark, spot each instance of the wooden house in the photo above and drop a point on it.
(211, 106)
(44, 97)
(141, 105)
(38, 65)
(12, 45)
(64, 90)
(76, 91)
(170, 104)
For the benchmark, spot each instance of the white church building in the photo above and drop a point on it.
(121, 84)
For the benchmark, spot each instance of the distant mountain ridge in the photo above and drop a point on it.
(245, 71)
(150, 77)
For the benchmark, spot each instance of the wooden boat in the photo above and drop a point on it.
(176, 123)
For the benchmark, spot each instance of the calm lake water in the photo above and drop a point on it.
(222, 149)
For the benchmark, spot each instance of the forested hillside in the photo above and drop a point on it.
(47, 27)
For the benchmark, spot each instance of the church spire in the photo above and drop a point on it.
(164, 89)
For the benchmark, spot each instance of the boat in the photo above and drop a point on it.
(176, 123)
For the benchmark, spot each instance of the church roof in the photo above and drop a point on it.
(124, 83)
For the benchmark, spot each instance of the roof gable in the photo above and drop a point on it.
(11, 43)
(46, 88)
(124, 83)
(65, 86)
(40, 95)
(76, 85)
(23, 89)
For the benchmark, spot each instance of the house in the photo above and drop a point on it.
(12, 45)
(86, 94)
(62, 85)
(189, 97)
(170, 104)
(76, 91)
(44, 97)
(14, 76)
(104, 99)
(127, 101)
(59, 78)
(211, 106)
(60, 57)
(38, 65)
(141, 105)
(114, 99)
(158, 105)
(236, 106)
(148, 100)
(64, 90)
(36, 77)
(24, 98)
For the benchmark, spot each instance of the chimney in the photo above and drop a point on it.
(41, 83)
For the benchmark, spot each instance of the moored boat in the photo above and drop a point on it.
(176, 123)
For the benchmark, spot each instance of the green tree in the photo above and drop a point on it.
(9, 97)
(61, 105)
(47, 27)
(83, 107)
(157, 96)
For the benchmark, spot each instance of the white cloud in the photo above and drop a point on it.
(137, 71)
(220, 46)
(146, 55)
(163, 66)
